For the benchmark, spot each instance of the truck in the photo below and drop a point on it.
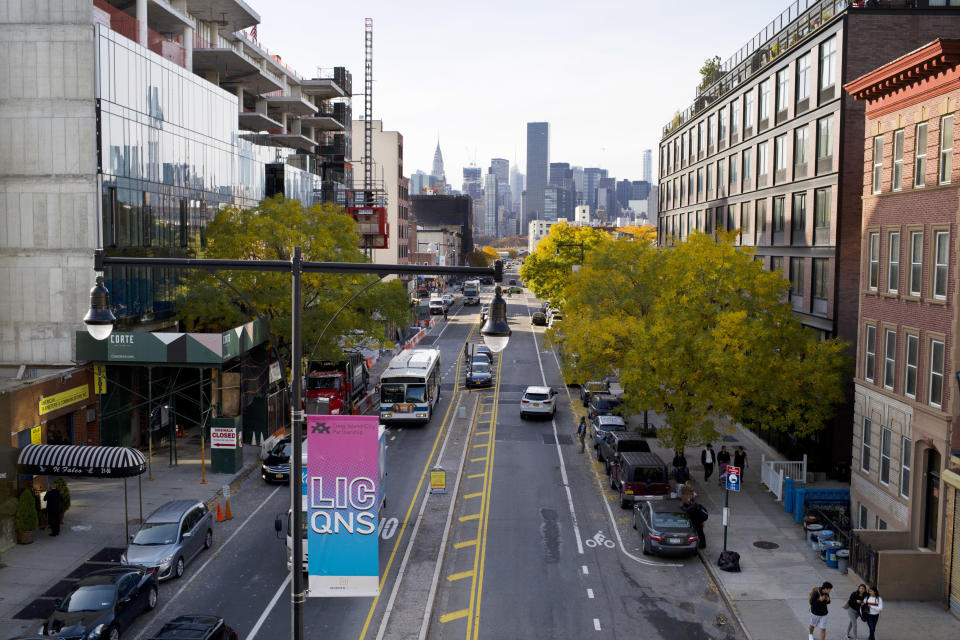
(471, 292)
(345, 383)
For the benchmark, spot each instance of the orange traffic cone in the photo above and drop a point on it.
(229, 516)
(219, 513)
(181, 433)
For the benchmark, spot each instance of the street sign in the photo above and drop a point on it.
(223, 438)
(100, 379)
(733, 478)
(438, 480)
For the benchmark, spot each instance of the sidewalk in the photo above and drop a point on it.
(770, 593)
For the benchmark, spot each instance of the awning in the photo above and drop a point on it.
(75, 460)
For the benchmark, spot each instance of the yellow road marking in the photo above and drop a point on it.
(470, 496)
(478, 459)
(481, 445)
(475, 516)
(461, 575)
(475, 475)
(466, 543)
(454, 615)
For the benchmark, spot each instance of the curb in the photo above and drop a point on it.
(724, 594)
(234, 484)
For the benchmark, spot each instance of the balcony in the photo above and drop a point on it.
(280, 138)
(332, 83)
(235, 68)
(254, 121)
(330, 117)
(288, 104)
(105, 13)
(230, 15)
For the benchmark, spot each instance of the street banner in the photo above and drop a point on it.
(343, 555)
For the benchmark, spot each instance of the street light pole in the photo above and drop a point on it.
(297, 593)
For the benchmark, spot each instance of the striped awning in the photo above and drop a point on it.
(75, 460)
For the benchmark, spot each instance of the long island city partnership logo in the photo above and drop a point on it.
(342, 498)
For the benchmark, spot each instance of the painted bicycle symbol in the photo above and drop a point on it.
(599, 540)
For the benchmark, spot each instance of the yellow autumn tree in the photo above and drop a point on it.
(547, 270)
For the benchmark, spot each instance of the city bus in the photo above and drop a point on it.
(471, 292)
(410, 386)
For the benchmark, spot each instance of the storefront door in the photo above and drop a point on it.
(932, 499)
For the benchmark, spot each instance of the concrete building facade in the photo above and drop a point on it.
(388, 175)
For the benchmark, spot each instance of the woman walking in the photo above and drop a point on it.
(853, 604)
(874, 605)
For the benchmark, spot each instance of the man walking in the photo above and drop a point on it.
(723, 461)
(707, 458)
(740, 460)
(54, 510)
(698, 515)
(819, 599)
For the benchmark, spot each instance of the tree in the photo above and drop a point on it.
(640, 233)
(708, 71)
(478, 258)
(269, 232)
(547, 270)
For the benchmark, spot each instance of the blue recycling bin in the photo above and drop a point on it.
(832, 547)
(799, 495)
(788, 495)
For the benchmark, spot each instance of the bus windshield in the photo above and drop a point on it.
(390, 393)
(416, 393)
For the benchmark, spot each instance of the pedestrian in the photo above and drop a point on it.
(819, 599)
(723, 461)
(873, 605)
(853, 606)
(582, 433)
(698, 515)
(54, 510)
(687, 492)
(680, 471)
(444, 312)
(707, 459)
(740, 460)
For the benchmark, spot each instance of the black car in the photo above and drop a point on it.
(479, 375)
(603, 404)
(196, 627)
(276, 466)
(103, 604)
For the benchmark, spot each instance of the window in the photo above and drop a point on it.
(748, 110)
(689, 187)
(898, 160)
(734, 118)
(796, 276)
(828, 62)
(800, 137)
(761, 212)
(721, 181)
(764, 106)
(940, 265)
(747, 161)
(783, 88)
(893, 262)
(946, 148)
(745, 217)
(798, 219)
(906, 452)
(936, 373)
(824, 138)
(874, 260)
(920, 156)
(732, 172)
(912, 356)
(916, 262)
(776, 264)
(699, 184)
(710, 132)
(803, 78)
(676, 193)
(871, 352)
(780, 153)
(889, 358)
(709, 179)
(877, 163)
(690, 154)
(722, 119)
(881, 524)
(700, 137)
(821, 208)
(762, 159)
(683, 149)
(862, 518)
(779, 204)
(865, 449)
(885, 436)
(820, 274)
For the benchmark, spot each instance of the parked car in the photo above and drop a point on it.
(275, 467)
(602, 425)
(614, 443)
(664, 528)
(538, 401)
(587, 388)
(603, 404)
(639, 476)
(437, 307)
(196, 627)
(479, 375)
(103, 604)
(539, 318)
(171, 537)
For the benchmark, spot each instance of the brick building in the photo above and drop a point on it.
(771, 148)
(905, 403)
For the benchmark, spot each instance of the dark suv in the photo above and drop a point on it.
(603, 404)
(615, 442)
(639, 476)
(196, 627)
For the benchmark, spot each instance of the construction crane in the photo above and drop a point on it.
(368, 107)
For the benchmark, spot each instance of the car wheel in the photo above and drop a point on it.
(634, 520)
(208, 541)
(152, 598)
(523, 416)
(178, 571)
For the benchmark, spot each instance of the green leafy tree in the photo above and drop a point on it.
(269, 232)
(548, 269)
(478, 258)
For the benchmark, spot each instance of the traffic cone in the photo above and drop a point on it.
(180, 431)
(229, 516)
(253, 438)
(219, 513)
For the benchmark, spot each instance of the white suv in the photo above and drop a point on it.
(538, 400)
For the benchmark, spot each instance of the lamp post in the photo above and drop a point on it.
(100, 320)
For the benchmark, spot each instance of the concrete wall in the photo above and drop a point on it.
(48, 188)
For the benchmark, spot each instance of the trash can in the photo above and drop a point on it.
(831, 547)
(843, 560)
(812, 530)
(788, 495)
(823, 538)
(799, 503)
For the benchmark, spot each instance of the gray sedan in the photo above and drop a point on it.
(171, 537)
(664, 528)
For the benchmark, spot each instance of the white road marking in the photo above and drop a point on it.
(266, 612)
(596, 624)
(223, 545)
(613, 523)
(586, 571)
(590, 593)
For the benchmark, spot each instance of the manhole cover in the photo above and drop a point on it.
(763, 544)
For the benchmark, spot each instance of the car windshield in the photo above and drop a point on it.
(391, 393)
(480, 367)
(282, 449)
(152, 533)
(606, 404)
(323, 382)
(611, 426)
(536, 397)
(416, 393)
(89, 598)
(674, 519)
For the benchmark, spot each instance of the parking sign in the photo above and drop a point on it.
(733, 478)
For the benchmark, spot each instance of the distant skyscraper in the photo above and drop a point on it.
(500, 167)
(490, 205)
(578, 184)
(591, 180)
(438, 163)
(646, 167)
(561, 176)
(418, 182)
(538, 159)
(516, 188)
(472, 185)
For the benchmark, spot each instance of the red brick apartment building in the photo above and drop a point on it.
(903, 484)
(771, 147)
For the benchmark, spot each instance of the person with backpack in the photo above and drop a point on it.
(819, 599)
(582, 433)
(698, 515)
(872, 607)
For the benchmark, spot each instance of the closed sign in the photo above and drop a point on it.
(223, 438)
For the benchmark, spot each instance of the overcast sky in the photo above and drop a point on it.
(606, 74)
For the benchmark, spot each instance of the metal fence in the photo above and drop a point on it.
(773, 473)
(863, 559)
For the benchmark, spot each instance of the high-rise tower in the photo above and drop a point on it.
(438, 163)
(538, 160)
